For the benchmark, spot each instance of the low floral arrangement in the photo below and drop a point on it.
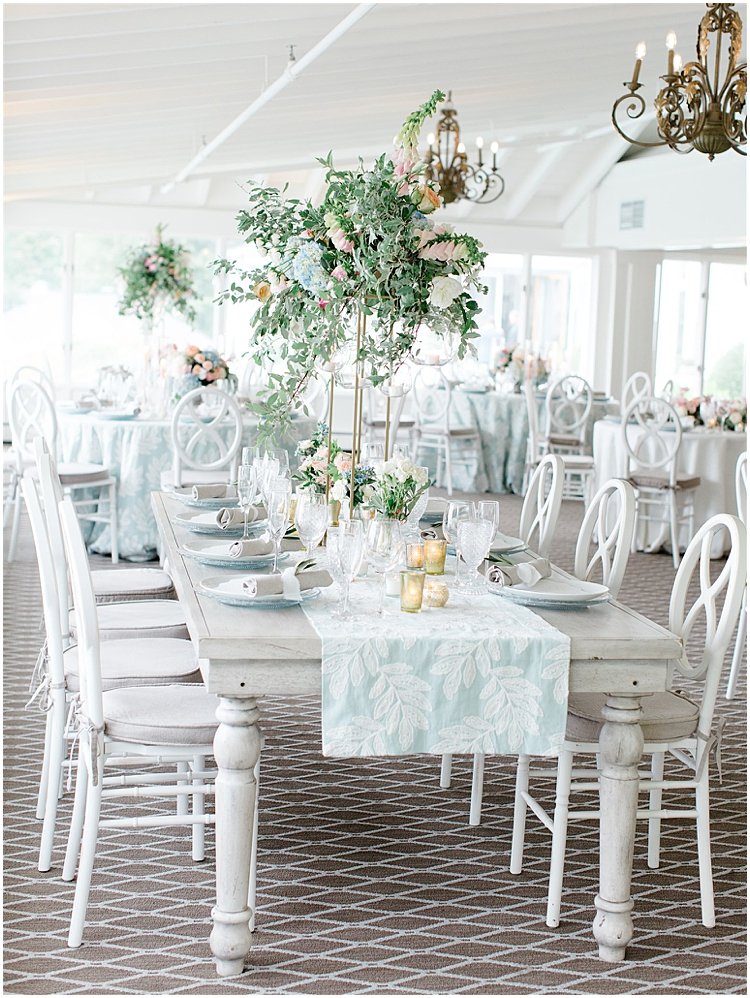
(397, 486)
(201, 368)
(317, 465)
(513, 361)
(713, 413)
(736, 418)
(371, 248)
(157, 279)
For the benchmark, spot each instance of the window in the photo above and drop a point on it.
(700, 329)
(560, 312)
(500, 319)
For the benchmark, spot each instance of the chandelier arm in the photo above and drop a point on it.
(732, 79)
(629, 111)
(732, 107)
(483, 182)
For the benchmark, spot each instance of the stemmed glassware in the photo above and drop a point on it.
(456, 511)
(384, 542)
(489, 509)
(474, 539)
(311, 517)
(246, 492)
(345, 551)
(277, 509)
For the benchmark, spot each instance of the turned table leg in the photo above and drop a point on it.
(620, 747)
(236, 749)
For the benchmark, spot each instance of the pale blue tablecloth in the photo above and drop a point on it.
(503, 425)
(136, 453)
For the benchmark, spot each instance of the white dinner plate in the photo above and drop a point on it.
(185, 494)
(216, 553)
(230, 592)
(504, 544)
(557, 592)
(204, 522)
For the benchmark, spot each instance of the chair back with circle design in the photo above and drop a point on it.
(27, 372)
(652, 444)
(668, 390)
(31, 414)
(568, 406)
(47, 579)
(716, 607)
(610, 523)
(740, 484)
(206, 432)
(638, 386)
(541, 505)
(87, 623)
(432, 401)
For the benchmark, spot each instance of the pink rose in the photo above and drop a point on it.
(341, 242)
(404, 190)
(322, 303)
(208, 364)
(338, 273)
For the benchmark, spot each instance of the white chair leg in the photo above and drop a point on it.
(559, 838)
(702, 806)
(519, 814)
(182, 806)
(654, 804)
(10, 498)
(739, 648)
(86, 865)
(44, 776)
(446, 768)
(113, 523)
(14, 527)
(254, 852)
(76, 822)
(674, 531)
(198, 798)
(56, 757)
(477, 790)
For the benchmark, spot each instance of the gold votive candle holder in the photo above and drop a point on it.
(434, 557)
(412, 587)
(435, 593)
(415, 555)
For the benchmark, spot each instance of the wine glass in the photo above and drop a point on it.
(474, 539)
(384, 542)
(456, 511)
(246, 481)
(311, 517)
(489, 509)
(347, 551)
(277, 510)
(371, 452)
(417, 512)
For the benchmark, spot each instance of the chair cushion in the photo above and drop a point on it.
(665, 717)
(459, 431)
(153, 618)
(131, 584)
(145, 662)
(72, 473)
(581, 461)
(564, 440)
(659, 480)
(161, 715)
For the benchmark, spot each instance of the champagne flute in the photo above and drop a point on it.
(348, 551)
(474, 539)
(311, 517)
(489, 509)
(246, 492)
(456, 510)
(277, 506)
(384, 543)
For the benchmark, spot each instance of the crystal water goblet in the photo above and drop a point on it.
(384, 542)
(246, 492)
(455, 512)
(277, 510)
(489, 509)
(311, 517)
(474, 539)
(348, 551)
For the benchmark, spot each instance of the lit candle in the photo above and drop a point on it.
(415, 555)
(640, 55)
(412, 588)
(671, 43)
(480, 146)
(434, 557)
(493, 149)
(677, 63)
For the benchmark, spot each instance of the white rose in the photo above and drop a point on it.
(444, 291)
(421, 475)
(368, 492)
(304, 445)
(338, 491)
(275, 256)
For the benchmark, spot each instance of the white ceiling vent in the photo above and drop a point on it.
(631, 214)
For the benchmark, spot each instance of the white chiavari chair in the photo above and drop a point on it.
(206, 438)
(638, 386)
(609, 524)
(433, 430)
(740, 644)
(672, 724)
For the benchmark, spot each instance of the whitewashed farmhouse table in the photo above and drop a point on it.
(245, 655)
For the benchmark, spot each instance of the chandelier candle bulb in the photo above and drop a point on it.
(415, 555)
(671, 42)
(677, 63)
(640, 55)
(434, 557)
(412, 589)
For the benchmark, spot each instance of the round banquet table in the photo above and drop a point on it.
(503, 425)
(137, 451)
(712, 454)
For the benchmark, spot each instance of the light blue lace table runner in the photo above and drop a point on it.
(479, 675)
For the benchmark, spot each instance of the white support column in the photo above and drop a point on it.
(68, 288)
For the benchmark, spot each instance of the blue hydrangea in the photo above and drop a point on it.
(420, 221)
(307, 268)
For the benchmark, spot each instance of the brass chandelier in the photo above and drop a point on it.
(448, 163)
(697, 108)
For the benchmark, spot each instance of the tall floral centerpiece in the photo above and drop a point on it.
(157, 279)
(355, 280)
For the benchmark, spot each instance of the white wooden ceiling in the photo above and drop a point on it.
(107, 102)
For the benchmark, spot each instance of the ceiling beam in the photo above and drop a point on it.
(525, 191)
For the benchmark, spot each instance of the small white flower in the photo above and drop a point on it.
(338, 491)
(304, 445)
(444, 291)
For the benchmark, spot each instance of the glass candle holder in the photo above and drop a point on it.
(435, 593)
(434, 557)
(412, 587)
(415, 555)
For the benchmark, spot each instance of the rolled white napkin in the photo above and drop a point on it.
(528, 573)
(230, 517)
(428, 534)
(287, 583)
(256, 547)
(218, 491)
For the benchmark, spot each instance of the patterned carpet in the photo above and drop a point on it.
(370, 880)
